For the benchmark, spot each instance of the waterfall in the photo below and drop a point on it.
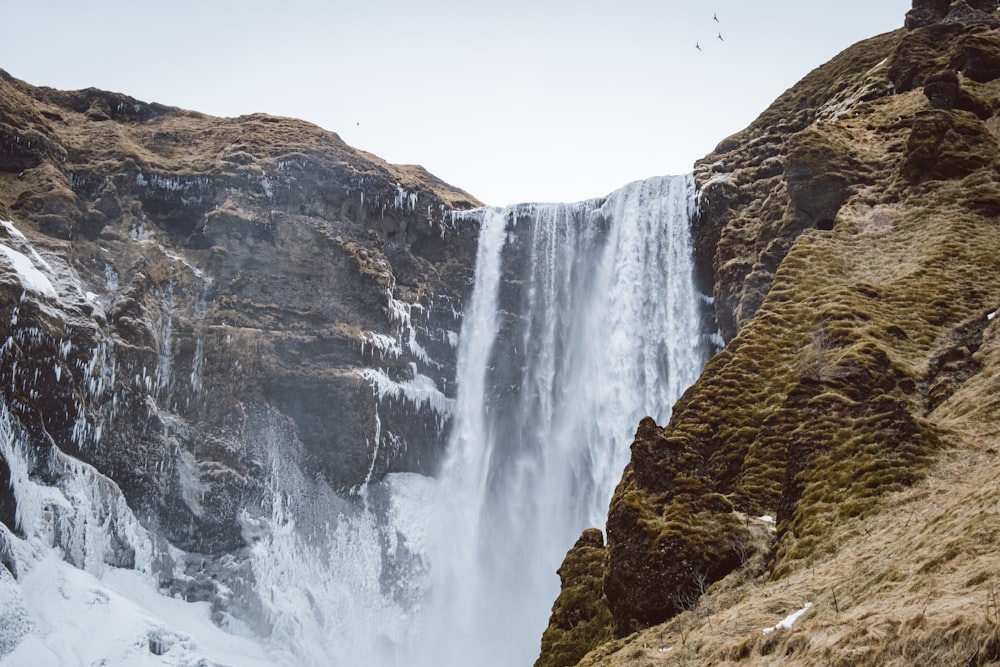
(583, 319)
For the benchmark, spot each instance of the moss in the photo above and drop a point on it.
(948, 144)
(580, 617)
(823, 83)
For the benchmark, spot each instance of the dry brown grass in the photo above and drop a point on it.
(915, 584)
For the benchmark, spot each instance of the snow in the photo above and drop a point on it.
(12, 230)
(118, 619)
(32, 279)
(991, 316)
(766, 518)
(789, 620)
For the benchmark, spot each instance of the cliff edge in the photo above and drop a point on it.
(214, 313)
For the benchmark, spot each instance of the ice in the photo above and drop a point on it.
(119, 620)
(419, 391)
(11, 229)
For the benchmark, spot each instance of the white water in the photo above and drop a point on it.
(583, 319)
(549, 397)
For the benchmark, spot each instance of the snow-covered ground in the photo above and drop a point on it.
(65, 617)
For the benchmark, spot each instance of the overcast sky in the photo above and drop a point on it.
(519, 100)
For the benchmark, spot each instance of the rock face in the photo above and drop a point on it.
(849, 236)
(182, 293)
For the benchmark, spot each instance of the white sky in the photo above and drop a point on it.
(519, 100)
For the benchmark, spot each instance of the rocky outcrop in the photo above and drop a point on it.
(580, 618)
(194, 305)
(848, 235)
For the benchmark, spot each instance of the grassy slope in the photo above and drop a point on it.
(858, 403)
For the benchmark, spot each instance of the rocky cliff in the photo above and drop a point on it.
(197, 307)
(850, 238)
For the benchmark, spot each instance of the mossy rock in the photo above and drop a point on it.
(580, 619)
(948, 145)
(923, 52)
(978, 55)
(670, 534)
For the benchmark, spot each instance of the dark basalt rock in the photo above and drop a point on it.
(942, 89)
(929, 12)
(977, 12)
(926, 12)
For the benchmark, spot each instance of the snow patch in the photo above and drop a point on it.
(789, 620)
(120, 620)
(32, 279)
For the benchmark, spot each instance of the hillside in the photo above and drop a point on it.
(850, 238)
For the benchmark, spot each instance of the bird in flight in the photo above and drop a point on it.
(715, 17)
(697, 46)
(720, 37)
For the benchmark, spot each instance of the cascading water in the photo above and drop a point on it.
(583, 320)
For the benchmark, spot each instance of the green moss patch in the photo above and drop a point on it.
(580, 617)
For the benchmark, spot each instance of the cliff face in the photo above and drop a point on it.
(850, 237)
(194, 304)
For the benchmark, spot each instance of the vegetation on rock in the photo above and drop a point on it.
(850, 238)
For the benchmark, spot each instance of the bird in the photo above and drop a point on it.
(697, 46)
(720, 37)
(715, 17)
